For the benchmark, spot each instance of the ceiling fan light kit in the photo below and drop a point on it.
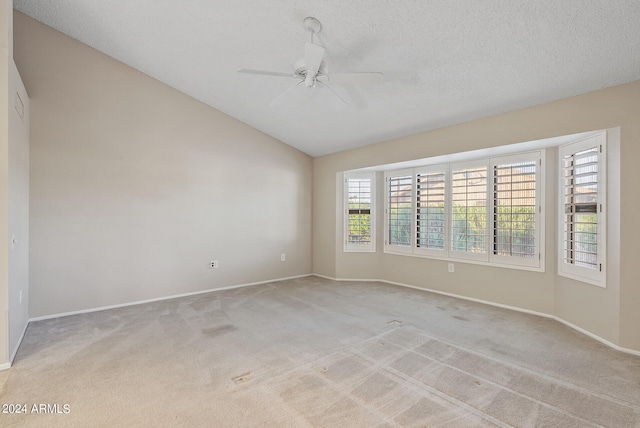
(312, 70)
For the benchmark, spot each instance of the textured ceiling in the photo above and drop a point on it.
(444, 61)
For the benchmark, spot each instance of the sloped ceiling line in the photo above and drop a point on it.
(444, 62)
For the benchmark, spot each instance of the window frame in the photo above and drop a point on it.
(598, 276)
(359, 247)
(487, 257)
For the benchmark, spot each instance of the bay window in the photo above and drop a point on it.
(484, 211)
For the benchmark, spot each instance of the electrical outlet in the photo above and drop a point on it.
(450, 267)
(283, 257)
(213, 264)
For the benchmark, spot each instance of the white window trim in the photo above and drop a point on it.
(351, 247)
(590, 276)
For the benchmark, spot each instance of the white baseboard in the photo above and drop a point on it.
(329, 278)
(15, 351)
(598, 338)
(499, 305)
(158, 299)
(6, 366)
(457, 296)
(472, 299)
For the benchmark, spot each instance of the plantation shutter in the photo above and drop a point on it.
(430, 202)
(580, 190)
(359, 211)
(514, 209)
(399, 210)
(582, 251)
(469, 211)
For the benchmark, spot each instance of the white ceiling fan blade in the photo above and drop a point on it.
(357, 78)
(312, 59)
(278, 100)
(265, 73)
(334, 92)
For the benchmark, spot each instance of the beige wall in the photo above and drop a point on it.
(612, 314)
(135, 187)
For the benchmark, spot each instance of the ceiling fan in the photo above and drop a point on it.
(312, 70)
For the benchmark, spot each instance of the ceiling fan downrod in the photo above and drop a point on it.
(312, 25)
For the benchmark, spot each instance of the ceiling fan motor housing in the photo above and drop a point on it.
(301, 69)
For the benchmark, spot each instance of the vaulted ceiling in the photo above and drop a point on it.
(444, 62)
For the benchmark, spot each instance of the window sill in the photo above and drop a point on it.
(602, 283)
(359, 250)
(539, 269)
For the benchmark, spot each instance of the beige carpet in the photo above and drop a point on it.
(313, 352)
